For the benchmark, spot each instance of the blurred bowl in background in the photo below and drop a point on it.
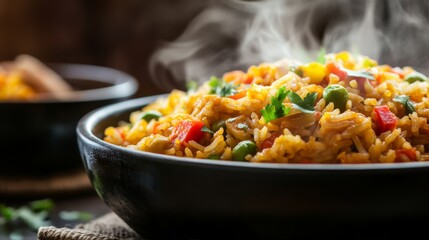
(39, 136)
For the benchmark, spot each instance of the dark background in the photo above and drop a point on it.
(124, 34)
(113, 33)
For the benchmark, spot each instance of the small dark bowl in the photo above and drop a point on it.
(39, 136)
(164, 197)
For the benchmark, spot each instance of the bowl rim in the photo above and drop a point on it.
(122, 84)
(91, 119)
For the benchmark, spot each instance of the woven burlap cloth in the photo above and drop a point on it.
(107, 227)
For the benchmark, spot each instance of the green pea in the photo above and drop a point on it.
(243, 149)
(151, 114)
(414, 77)
(218, 125)
(336, 94)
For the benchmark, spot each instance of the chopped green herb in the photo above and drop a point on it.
(214, 82)
(405, 100)
(151, 114)
(221, 88)
(415, 77)
(227, 89)
(321, 56)
(305, 105)
(33, 220)
(206, 129)
(42, 205)
(25, 214)
(218, 125)
(296, 69)
(242, 126)
(76, 216)
(275, 109)
(360, 74)
(191, 86)
(32, 216)
(7, 213)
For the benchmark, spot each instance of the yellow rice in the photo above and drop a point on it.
(326, 135)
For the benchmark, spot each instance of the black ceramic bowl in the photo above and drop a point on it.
(164, 197)
(39, 136)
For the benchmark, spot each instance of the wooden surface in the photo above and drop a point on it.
(62, 184)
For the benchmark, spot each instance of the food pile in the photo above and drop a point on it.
(342, 108)
(27, 78)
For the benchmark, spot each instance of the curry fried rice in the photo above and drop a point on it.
(341, 109)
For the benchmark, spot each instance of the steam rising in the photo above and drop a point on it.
(235, 34)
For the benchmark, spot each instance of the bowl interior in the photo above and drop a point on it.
(95, 82)
(85, 84)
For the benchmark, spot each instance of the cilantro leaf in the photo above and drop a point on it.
(42, 205)
(275, 109)
(361, 74)
(296, 69)
(226, 90)
(76, 216)
(32, 219)
(7, 213)
(221, 88)
(401, 99)
(405, 100)
(32, 216)
(305, 105)
(191, 86)
(206, 129)
(214, 82)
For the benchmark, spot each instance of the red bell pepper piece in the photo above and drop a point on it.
(409, 153)
(333, 68)
(155, 127)
(385, 120)
(187, 130)
(267, 143)
(121, 133)
(247, 79)
(238, 95)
